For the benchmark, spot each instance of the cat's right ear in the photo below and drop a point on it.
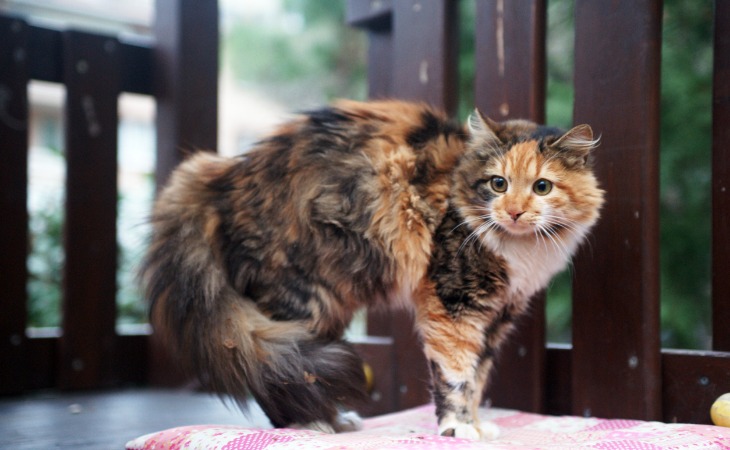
(576, 144)
(482, 128)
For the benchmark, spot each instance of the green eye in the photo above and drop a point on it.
(542, 186)
(499, 184)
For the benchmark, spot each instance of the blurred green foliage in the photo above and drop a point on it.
(685, 172)
(308, 57)
(44, 265)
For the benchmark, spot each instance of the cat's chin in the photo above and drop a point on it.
(517, 229)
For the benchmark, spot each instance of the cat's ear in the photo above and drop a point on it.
(482, 128)
(577, 143)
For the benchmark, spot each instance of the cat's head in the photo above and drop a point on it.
(519, 179)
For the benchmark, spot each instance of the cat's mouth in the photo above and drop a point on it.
(524, 228)
(517, 227)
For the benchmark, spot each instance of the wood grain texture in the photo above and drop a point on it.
(425, 49)
(616, 362)
(186, 80)
(13, 199)
(691, 382)
(91, 76)
(510, 59)
(721, 181)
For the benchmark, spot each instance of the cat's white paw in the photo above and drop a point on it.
(348, 421)
(344, 422)
(489, 431)
(485, 432)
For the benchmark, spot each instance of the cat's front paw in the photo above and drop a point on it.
(348, 421)
(485, 432)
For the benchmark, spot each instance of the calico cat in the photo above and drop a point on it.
(257, 263)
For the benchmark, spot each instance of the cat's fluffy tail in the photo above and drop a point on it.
(296, 377)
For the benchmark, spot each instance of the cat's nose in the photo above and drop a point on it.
(515, 214)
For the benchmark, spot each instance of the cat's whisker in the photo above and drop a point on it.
(472, 236)
(562, 222)
(556, 241)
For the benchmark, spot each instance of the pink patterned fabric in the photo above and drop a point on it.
(415, 429)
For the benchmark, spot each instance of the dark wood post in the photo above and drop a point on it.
(425, 47)
(616, 364)
(510, 84)
(186, 90)
(186, 80)
(13, 199)
(91, 76)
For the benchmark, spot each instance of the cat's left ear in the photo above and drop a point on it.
(577, 143)
(483, 128)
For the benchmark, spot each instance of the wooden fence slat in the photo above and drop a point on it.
(510, 59)
(721, 181)
(369, 14)
(424, 53)
(376, 19)
(13, 198)
(380, 75)
(91, 75)
(186, 90)
(509, 84)
(45, 60)
(616, 286)
(186, 84)
(691, 382)
(378, 354)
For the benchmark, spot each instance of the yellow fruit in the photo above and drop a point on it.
(720, 411)
(369, 377)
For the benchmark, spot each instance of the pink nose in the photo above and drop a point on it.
(514, 214)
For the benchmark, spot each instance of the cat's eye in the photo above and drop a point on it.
(499, 184)
(542, 186)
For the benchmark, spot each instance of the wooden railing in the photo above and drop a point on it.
(180, 72)
(615, 366)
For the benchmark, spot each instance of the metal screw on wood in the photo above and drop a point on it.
(110, 46)
(633, 362)
(15, 340)
(77, 365)
(82, 66)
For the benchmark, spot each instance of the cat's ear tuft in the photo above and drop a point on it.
(577, 142)
(483, 128)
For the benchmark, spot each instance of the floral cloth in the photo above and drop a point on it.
(415, 429)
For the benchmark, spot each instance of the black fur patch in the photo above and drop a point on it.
(311, 388)
(466, 277)
(432, 127)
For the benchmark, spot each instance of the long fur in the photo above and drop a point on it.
(257, 263)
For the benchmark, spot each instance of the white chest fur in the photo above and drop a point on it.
(532, 261)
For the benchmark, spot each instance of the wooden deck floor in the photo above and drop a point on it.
(107, 420)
